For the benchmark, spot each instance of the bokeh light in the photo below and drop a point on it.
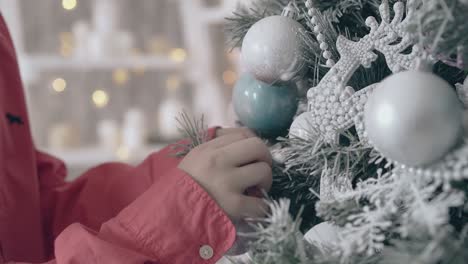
(229, 77)
(66, 51)
(59, 85)
(66, 36)
(120, 76)
(157, 45)
(66, 44)
(100, 98)
(69, 4)
(178, 55)
(123, 153)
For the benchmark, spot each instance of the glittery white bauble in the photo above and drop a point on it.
(322, 235)
(413, 118)
(302, 127)
(273, 49)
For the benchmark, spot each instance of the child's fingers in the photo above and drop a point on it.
(253, 175)
(225, 131)
(246, 151)
(254, 192)
(225, 140)
(252, 207)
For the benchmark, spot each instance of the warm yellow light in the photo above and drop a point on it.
(69, 4)
(120, 76)
(66, 49)
(173, 82)
(123, 153)
(66, 44)
(157, 45)
(59, 85)
(178, 55)
(66, 37)
(100, 98)
(229, 77)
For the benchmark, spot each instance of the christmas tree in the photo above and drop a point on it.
(364, 101)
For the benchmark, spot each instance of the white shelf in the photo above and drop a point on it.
(51, 62)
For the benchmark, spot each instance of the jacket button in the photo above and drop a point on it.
(206, 252)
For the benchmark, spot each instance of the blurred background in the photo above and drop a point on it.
(105, 79)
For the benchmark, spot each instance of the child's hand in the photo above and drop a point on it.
(227, 166)
(234, 130)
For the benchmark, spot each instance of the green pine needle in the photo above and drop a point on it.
(194, 131)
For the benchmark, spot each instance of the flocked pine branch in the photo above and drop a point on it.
(365, 214)
(442, 29)
(302, 162)
(279, 241)
(311, 156)
(278, 237)
(296, 187)
(380, 209)
(427, 206)
(446, 247)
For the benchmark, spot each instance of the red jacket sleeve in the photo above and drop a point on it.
(115, 213)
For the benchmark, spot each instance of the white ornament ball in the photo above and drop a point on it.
(302, 127)
(323, 235)
(413, 118)
(273, 49)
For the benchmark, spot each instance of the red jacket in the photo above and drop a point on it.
(115, 213)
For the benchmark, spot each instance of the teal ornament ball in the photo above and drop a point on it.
(267, 109)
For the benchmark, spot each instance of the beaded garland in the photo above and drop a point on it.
(312, 12)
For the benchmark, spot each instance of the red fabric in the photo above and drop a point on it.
(115, 213)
